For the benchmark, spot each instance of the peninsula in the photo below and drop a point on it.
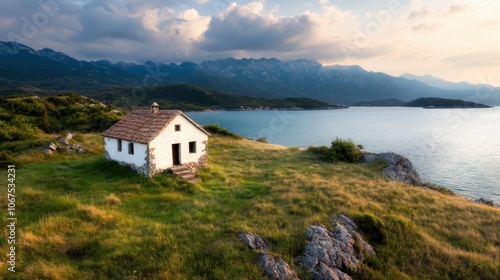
(443, 103)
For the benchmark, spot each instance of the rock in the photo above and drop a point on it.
(327, 252)
(369, 157)
(253, 242)
(399, 168)
(64, 143)
(50, 149)
(78, 148)
(279, 270)
(328, 273)
(52, 146)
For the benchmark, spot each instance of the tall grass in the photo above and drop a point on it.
(71, 225)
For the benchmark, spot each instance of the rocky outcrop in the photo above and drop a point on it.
(279, 270)
(253, 242)
(64, 143)
(329, 254)
(398, 168)
(276, 270)
(50, 149)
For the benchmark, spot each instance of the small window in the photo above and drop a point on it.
(192, 147)
(177, 127)
(119, 145)
(131, 148)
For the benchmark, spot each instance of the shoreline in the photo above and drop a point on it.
(427, 185)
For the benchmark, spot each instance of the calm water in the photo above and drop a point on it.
(455, 148)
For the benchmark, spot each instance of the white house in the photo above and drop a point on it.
(153, 141)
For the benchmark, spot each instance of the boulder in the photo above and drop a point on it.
(279, 270)
(327, 253)
(398, 168)
(64, 143)
(276, 270)
(78, 148)
(50, 149)
(253, 242)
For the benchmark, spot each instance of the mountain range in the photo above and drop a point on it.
(25, 70)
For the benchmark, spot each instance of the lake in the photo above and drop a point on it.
(455, 148)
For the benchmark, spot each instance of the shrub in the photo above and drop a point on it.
(262, 140)
(321, 150)
(7, 158)
(340, 150)
(438, 188)
(216, 129)
(371, 226)
(346, 151)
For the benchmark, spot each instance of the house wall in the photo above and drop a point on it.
(160, 148)
(138, 161)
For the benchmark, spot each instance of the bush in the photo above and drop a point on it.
(341, 150)
(438, 188)
(262, 140)
(321, 150)
(371, 226)
(6, 159)
(216, 129)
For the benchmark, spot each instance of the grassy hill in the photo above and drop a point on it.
(190, 97)
(27, 117)
(82, 217)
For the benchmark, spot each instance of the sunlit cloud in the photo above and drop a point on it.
(394, 36)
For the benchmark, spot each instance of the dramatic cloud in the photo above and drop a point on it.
(442, 37)
(245, 28)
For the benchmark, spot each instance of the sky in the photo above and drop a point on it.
(457, 40)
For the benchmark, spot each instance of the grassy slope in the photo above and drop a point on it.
(69, 227)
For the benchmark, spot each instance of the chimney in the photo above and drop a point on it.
(155, 107)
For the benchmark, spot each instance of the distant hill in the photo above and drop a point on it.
(440, 83)
(26, 117)
(189, 97)
(437, 103)
(382, 103)
(45, 72)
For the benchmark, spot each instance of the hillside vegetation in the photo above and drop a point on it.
(82, 217)
(434, 102)
(28, 117)
(190, 97)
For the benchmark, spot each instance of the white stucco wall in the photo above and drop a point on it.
(138, 159)
(161, 146)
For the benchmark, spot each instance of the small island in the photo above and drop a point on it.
(443, 103)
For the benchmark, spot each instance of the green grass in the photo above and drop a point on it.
(163, 228)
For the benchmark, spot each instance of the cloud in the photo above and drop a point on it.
(426, 27)
(473, 59)
(102, 21)
(247, 28)
(457, 8)
(370, 33)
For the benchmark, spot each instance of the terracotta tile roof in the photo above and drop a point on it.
(142, 126)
